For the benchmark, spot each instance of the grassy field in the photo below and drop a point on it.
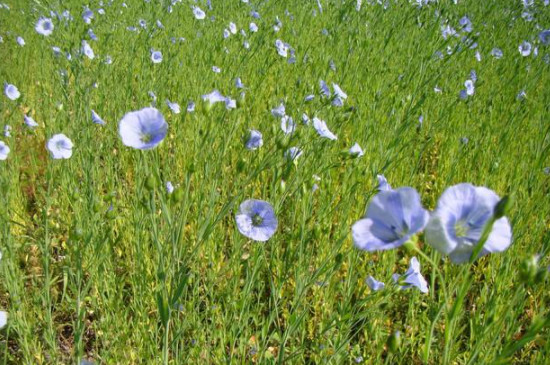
(101, 263)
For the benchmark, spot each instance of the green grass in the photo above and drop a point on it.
(158, 279)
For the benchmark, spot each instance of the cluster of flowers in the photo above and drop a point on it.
(395, 216)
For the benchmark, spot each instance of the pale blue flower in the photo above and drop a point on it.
(392, 218)
(233, 28)
(374, 284)
(56, 51)
(31, 123)
(544, 37)
(44, 26)
(255, 140)
(143, 129)
(4, 151)
(87, 16)
(497, 53)
(60, 147)
(309, 97)
(92, 35)
(214, 97)
(282, 48)
(287, 124)
(190, 107)
(279, 111)
(198, 13)
(230, 103)
(239, 83)
(97, 119)
(20, 41)
(169, 187)
(478, 56)
(305, 119)
(7, 130)
(11, 91)
(156, 56)
(412, 277)
(470, 88)
(293, 153)
(174, 107)
(457, 223)
(253, 27)
(216, 69)
(466, 24)
(3, 319)
(256, 220)
(339, 92)
(356, 150)
(87, 50)
(525, 48)
(322, 129)
(325, 91)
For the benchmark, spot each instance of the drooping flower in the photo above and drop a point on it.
(254, 140)
(256, 220)
(60, 147)
(356, 150)
(31, 123)
(87, 50)
(321, 128)
(11, 91)
(214, 97)
(309, 97)
(339, 92)
(457, 223)
(293, 153)
(412, 277)
(470, 88)
(156, 56)
(287, 124)
(97, 119)
(325, 91)
(198, 13)
(374, 284)
(174, 107)
(190, 107)
(143, 129)
(44, 26)
(20, 41)
(239, 83)
(253, 27)
(392, 218)
(4, 150)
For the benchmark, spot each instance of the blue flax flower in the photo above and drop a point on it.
(143, 129)
(392, 217)
(457, 223)
(256, 220)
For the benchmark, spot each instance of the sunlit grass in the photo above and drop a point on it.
(101, 263)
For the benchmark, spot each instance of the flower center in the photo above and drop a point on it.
(257, 220)
(146, 137)
(460, 229)
(60, 145)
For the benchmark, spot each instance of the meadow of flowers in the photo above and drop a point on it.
(262, 181)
